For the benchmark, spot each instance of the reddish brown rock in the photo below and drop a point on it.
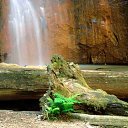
(61, 29)
(4, 48)
(83, 31)
(88, 31)
(101, 31)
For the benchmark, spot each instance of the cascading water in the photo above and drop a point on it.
(26, 34)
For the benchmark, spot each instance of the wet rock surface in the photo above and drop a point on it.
(89, 31)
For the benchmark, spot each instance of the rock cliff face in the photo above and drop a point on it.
(60, 21)
(84, 31)
(89, 31)
(101, 31)
(3, 30)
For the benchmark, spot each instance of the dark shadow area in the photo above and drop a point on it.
(126, 99)
(20, 105)
(24, 105)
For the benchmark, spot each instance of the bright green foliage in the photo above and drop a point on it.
(60, 104)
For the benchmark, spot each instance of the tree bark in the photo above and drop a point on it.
(102, 120)
(18, 82)
(113, 82)
(66, 79)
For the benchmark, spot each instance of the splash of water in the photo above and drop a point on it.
(26, 34)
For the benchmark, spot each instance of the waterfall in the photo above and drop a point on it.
(26, 33)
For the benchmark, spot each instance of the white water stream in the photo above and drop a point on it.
(26, 33)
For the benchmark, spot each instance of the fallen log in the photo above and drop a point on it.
(102, 120)
(67, 79)
(68, 91)
(113, 82)
(17, 82)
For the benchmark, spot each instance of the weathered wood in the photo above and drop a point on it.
(113, 82)
(101, 120)
(18, 82)
(66, 79)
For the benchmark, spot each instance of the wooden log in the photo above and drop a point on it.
(17, 82)
(102, 120)
(67, 81)
(113, 82)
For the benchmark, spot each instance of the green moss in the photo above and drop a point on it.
(24, 79)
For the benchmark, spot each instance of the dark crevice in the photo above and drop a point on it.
(23, 105)
(20, 105)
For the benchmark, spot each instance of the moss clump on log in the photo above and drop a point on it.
(67, 80)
